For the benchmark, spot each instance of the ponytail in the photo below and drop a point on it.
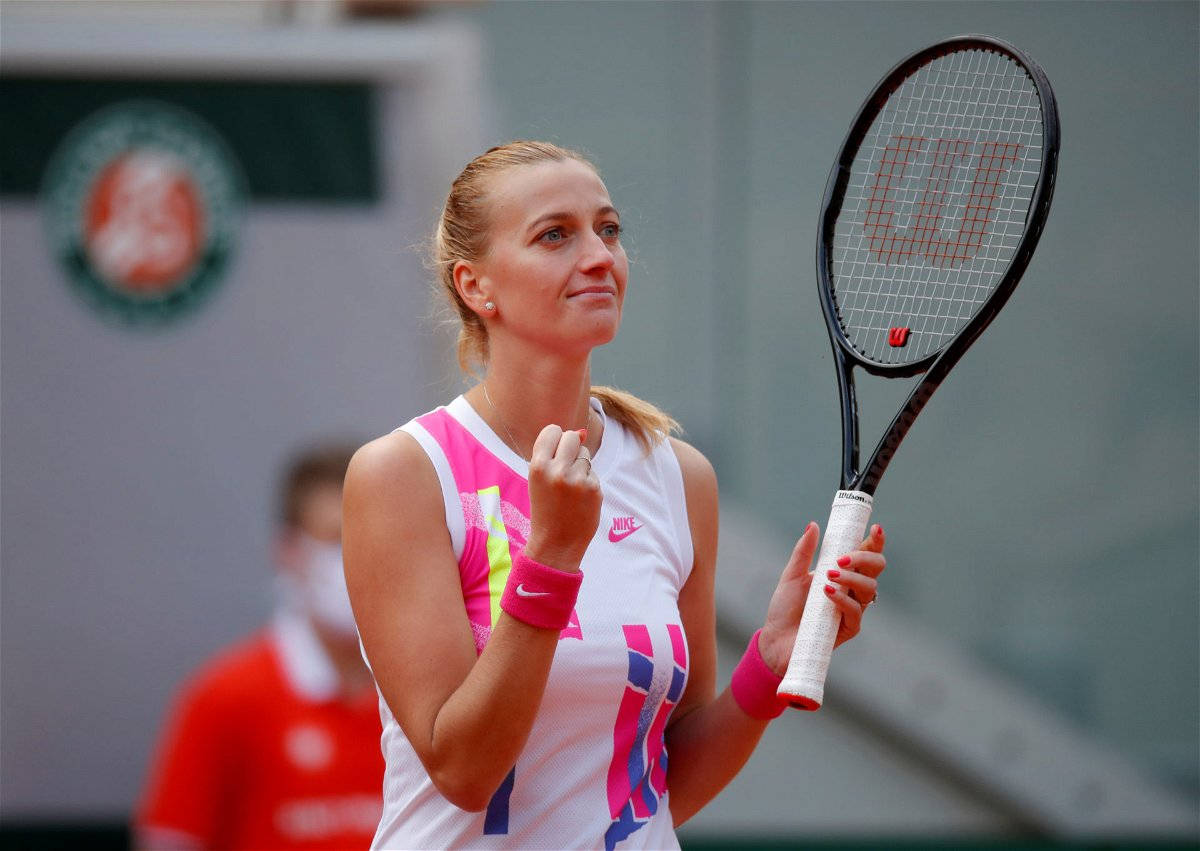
(647, 423)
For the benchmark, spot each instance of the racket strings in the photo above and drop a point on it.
(936, 203)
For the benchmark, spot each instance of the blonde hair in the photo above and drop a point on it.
(462, 234)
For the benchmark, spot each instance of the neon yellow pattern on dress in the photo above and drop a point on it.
(499, 557)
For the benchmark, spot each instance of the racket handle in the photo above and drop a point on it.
(804, 683)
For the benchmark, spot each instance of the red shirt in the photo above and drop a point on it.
(253, 756)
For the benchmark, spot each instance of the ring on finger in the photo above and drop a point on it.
(864, 603)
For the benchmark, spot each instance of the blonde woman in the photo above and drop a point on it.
(531, 566)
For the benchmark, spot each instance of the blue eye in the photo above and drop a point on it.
(612, 230)
(554, 235)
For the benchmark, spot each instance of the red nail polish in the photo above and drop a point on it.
(833, 574)
(844, 561)
(878, 529)
(583, 434)
(830, 590)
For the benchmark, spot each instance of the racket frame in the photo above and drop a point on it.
(803, 685)
(937, 364)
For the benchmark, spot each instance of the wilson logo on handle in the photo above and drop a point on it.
(924, 237)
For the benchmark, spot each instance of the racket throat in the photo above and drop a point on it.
(845, 376)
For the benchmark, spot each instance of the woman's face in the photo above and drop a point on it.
(554, 266)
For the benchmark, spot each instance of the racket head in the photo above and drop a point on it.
(935, 204)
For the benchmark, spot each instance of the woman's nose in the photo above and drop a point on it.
(597, 254)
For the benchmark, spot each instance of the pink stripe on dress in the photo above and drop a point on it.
(475, 468)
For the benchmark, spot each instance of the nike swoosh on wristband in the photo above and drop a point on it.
(521, 592)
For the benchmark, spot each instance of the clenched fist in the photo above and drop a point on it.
(564, 499)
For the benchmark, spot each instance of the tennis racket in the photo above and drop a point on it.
(930, 216)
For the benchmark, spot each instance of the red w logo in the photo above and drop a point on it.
(924, 236)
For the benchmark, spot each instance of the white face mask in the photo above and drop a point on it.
(320, 586)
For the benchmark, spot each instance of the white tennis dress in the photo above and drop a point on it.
(593, 772)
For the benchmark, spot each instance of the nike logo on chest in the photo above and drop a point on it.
(622, 528)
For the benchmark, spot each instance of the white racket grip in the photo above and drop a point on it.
(804, 683)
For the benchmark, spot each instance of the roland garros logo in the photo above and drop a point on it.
(143, 202)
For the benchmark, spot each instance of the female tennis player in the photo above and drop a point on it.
(532, 565)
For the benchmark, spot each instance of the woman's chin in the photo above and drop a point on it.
(579, 337)
(604, 331)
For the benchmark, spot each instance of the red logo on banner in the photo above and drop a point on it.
(143, 205)
(144, 222)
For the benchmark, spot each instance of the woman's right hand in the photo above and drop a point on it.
(564, 499)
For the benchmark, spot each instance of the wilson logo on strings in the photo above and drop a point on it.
(949, 163)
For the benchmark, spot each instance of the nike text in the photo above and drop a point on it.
(622, 528)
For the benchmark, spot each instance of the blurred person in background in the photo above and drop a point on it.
(532, 565)
(274, 743)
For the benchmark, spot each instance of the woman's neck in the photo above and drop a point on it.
(520, 398)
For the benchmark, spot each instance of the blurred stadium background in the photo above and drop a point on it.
(1032, 674)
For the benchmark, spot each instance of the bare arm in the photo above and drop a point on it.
(710, 738)
(466, 717)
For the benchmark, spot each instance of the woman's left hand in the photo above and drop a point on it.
(853, 589)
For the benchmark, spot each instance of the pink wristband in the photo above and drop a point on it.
(754, 685)
(539, 595)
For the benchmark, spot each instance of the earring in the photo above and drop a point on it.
(489, 305)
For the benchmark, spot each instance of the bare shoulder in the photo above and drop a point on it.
(391, 492)
(699, 477)
(394, 464)
(383, 457)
